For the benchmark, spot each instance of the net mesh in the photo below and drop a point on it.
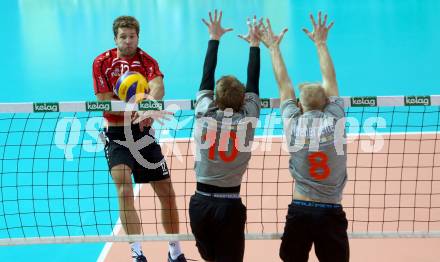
(55, 184)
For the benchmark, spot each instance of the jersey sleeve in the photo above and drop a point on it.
(252, 104)
(253, 71)
(335, 107)
(208, 81)
(204, 102)
(151, 66)
(100, 83)
(289, 109)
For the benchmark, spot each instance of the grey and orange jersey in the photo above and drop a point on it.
(318, 159)
(223, 139)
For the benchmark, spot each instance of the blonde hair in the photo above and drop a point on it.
(312, 96)
(229, 93)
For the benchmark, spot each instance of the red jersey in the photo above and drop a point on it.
(107, 68)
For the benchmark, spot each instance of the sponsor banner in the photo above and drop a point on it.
(98, 106)
(46, 107)
(151, 105)
(265, 103)
(363, 101)
(417, 100)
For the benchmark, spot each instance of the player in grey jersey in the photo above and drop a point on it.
(223, 135)
(314, 129)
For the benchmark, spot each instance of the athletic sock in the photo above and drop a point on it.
(136, 248)
(174, 248)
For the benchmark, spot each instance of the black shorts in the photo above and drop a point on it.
(324, 225)
(118, 154)
(218, 227)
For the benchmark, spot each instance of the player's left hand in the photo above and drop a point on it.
(146, 118)
(267, 36)
(253, 36)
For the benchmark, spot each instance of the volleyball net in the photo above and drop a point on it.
(55, 184)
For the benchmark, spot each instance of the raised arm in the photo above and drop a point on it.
(216, 31)
(272, 42)
(253, 70)
(319, 37)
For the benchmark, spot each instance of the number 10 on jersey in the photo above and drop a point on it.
(222, 144)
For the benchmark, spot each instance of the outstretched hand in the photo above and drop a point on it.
(254, 34)
(216, 31)
(320, 30)
(145, 118)
(269, 39)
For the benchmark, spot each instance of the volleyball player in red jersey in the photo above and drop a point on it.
(107, 68)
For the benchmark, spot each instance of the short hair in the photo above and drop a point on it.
(312, 96)
(125, 22)
(229, 93)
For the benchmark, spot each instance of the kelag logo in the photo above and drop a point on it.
(417, 100)
(193, 104)
(265, 103)
(98, 106)
(151, 105)
(364, 101)
(46, 107)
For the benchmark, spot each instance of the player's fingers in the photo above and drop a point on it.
(204, 21)
(167, 112)
(210, 18)
(319, 18)
(313, 21)
(248, 23)
(330, 25)
(159, 120)
(305, 30)
(244, 38)
(325, 20)
(269, 26)
(261, 24)
(282, 34)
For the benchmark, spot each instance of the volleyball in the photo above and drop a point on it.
(131, 84)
